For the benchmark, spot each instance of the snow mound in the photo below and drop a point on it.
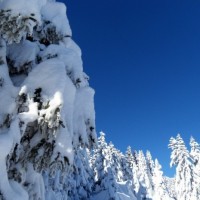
(124, 192)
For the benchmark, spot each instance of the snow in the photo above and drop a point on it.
(70, 57)
(56, 13)
(124, 192)
(10, 189)
(84, 111)
(24, 7)
(64, 145)
(60, 94)
(45, 91)
(37, 182)
(50, 76)
(102, 195)
(8, 92)
(29, 116)
(22, 53)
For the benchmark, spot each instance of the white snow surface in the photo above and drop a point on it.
(56, 13)
(124, 192)
(22, 53)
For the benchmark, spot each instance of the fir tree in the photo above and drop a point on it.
(104, 174)
(150, 162)
(195, 154)
(48, 109)
(131, 169)
(146, 187)
(160, 188)
(180, 157)
(81, 177)
(116, 165)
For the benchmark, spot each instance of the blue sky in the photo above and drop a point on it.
(143, 59)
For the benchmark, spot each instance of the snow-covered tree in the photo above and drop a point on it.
(81, 177)
(48, 108)
(105, 179)
(180, 157)
(195, 154)
(145, 179)
(130, 169)
(160, 188)
(150, 168)
(116, 165)
(150, 163)
(170, 185)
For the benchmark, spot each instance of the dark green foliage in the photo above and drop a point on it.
(1, 81)
(14, 28)
(22, 103)
(37, 97)
(1, 61)
(24, 69)
(6, 121)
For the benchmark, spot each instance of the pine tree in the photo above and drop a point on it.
(150, 168)
(180, 157)
(130, 169)
(195, 154)
(170, 185)
(48, 106)
(160, 189)
(150, 162)
(146, 186)
(81, 177)
(105, 179)
(116, 165)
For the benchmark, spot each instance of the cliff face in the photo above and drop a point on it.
(46, 109)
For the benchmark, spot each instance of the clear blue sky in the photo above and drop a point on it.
(143, 58)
